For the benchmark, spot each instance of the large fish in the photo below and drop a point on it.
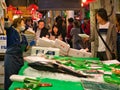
(56, 67)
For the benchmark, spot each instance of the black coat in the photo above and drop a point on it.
(44, 32)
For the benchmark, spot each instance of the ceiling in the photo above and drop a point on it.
(17, 3)
(48, 4)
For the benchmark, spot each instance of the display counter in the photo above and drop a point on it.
(56, 84)
(78, 85)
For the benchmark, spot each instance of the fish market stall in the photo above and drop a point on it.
(68, 73)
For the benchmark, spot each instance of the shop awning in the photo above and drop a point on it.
(59, 4)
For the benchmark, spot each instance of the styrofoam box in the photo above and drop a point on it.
(87, 54)
(62, 45)
(43, 42)
(75, 53)
(36, 50)
(79, 53)
(62, 53)
(3, 43)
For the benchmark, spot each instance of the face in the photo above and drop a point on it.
(55, 29)
(21, 26)
(99, 19)
(29, 22)
(85, 21)
(41, 25)
(22, 23)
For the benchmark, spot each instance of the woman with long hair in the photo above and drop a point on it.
(56, 34)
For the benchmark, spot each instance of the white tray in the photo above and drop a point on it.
(83, 35)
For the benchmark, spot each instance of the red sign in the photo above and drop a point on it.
(86, 2)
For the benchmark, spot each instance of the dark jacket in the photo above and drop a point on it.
(43, 33)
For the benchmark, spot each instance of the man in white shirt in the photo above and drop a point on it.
(41, 31)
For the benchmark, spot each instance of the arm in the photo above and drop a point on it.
(114, 36)
(60, 37)
(71, 32)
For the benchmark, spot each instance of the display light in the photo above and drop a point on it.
(86, 2)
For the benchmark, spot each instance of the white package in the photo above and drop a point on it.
(75, 53)
(87, 54)
(44, 42)
(62, 45)
(19, 78)
(79, 53)
(32, 59)
(37, 51)
(62, 53)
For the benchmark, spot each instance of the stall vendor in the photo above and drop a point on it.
(16, 44)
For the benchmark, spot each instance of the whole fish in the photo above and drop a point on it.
(56, 67)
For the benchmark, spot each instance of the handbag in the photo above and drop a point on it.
(112, 54)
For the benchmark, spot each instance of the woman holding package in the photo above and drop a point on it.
(16, 44)
(106, 30)
(76, 40)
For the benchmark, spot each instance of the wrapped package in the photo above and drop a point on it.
(62, 45)
(75, 53)
(44, 42)
(31, 59)
(62, 53)
(87, 54)
(19, 78)
(37, 51)
(79, 53)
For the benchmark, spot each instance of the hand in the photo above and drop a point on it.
(86, 39)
